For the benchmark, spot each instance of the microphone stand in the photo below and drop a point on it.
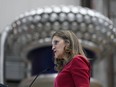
(37, 76)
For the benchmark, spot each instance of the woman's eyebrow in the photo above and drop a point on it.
(55, 42)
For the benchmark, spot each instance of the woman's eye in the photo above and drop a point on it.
(55, 42)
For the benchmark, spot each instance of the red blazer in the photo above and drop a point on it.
(75, 74)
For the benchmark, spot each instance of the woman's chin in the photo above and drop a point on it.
(58, 57)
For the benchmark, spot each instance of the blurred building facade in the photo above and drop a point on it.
(24, 61)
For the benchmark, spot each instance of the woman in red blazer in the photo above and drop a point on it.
(70, 61)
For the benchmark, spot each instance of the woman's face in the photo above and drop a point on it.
(58, 45)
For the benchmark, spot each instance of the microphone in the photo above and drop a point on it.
(47, 69)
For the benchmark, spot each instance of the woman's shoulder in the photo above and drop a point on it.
(80, 60)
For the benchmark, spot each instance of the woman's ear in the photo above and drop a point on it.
(67, 42)
(67, 47)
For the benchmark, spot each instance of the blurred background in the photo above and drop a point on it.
(25, 45)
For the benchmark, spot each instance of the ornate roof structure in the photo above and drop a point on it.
(34, 28)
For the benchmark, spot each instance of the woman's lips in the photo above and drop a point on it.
(54, 52)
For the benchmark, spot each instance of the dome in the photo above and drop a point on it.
(34, 29)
